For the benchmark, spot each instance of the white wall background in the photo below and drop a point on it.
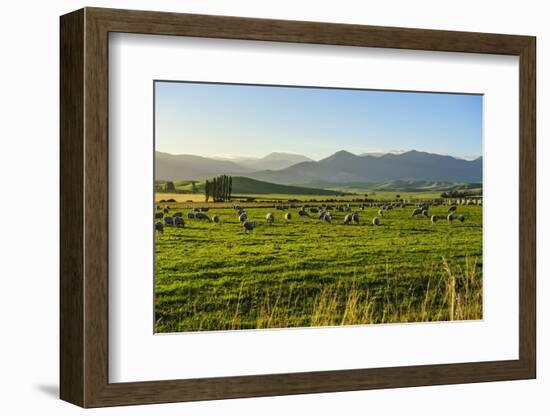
(29, 158)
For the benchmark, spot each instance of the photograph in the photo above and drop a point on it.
(290, 206)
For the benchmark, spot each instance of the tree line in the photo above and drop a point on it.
(459, 194)
(218, 188)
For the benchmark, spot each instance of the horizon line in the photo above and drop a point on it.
(373, 153)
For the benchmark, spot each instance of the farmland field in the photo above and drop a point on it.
(309, 273)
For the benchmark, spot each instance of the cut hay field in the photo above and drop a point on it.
(309, 273)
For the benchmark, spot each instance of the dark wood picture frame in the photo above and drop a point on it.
(84, 207)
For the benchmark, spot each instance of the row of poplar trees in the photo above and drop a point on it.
(218, 188)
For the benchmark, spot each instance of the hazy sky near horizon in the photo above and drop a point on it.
(247, 120)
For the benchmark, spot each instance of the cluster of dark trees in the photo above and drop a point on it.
(218, 188)
(169, 187)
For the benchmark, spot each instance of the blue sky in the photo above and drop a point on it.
(248, 120)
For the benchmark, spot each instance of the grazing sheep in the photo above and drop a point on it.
(303, 213)
(417, 211)
(179, 222)
(243, 217)
(450, 218)
(314, 210)
(215, 218)
(204, 209)
(159, 215)
(269, 218)
(159, 207)
(433, 219)
(177, 214)
(355, 217)
(201, 216)
(159, 227)
(191, 215)
(375, 221)
(452, 209)
(348, 219)
(461, 218)
(288, 216)
(249, 225)
(166, 210)
(425, 213)
(169, 220)
(327, 218)
(380, 213)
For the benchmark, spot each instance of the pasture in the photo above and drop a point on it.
(305, 272)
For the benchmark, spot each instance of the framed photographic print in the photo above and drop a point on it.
(255, 207)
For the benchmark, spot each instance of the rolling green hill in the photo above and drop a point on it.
(244, 185)
(418, 186)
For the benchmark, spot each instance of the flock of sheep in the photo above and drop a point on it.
(323, 212)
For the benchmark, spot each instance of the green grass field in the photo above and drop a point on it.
(309, 273)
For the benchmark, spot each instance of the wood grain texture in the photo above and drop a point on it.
(528, 207)
(71, 218)
(84, 192)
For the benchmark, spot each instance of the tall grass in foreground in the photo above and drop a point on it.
(446, 293)
(455, 294)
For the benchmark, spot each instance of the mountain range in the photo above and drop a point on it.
(340, 168)
(273, 161)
